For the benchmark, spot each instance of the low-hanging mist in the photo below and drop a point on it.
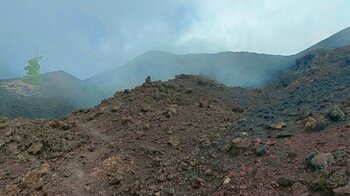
(243, 69)
(85, 38)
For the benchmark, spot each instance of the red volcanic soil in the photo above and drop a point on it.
(193, 136)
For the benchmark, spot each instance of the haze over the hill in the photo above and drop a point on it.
(244, 69)
(87, 38)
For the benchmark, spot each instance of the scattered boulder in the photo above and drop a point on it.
(336, 114)
(309, 157)
(315, 124)
(327, 181)
(316, 160)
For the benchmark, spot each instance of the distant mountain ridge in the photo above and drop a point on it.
(61, 93)
(58, 95)
(230, 68)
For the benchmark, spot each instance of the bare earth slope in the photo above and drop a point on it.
(192, 136)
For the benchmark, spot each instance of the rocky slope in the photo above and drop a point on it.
(193, 136)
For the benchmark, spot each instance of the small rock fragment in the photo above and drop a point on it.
(45, 168)
(157, 193)
(2, 142)
(33, 180)
(285, 181)
(204, 104)
(172, 110)
(115, 180)
(169, 191)
(89, 189)
(227, 180)
(115, 109)
(145, 108)
(35, 148)
(284, 134)
(244, 134)
(260, 150)
(278, 126)
(173, 141)
(208, 172)
(238, 109)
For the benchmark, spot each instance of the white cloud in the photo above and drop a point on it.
(88, 37)
(268, 26)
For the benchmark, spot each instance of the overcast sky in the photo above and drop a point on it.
(87, 37)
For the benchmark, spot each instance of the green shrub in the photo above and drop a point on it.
(33, 71)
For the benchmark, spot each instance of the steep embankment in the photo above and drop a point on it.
(192, 136)
(59, 94)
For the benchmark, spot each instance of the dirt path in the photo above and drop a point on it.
(74, 174)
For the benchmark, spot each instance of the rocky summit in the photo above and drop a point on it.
(194, 136)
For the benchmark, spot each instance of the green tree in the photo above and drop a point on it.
(33, 71)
